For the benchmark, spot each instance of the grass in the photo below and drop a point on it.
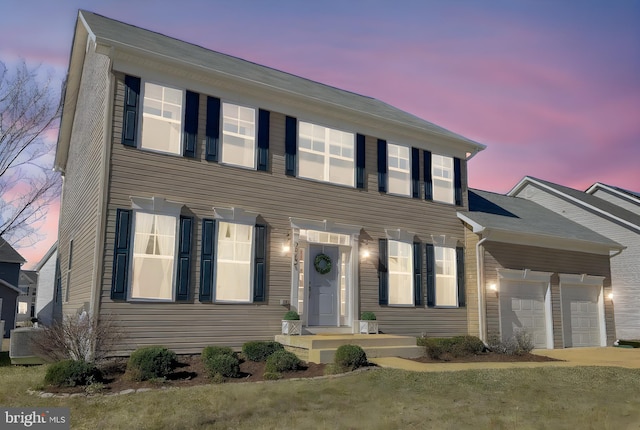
(558, 398)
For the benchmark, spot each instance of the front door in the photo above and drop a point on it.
(323, 287)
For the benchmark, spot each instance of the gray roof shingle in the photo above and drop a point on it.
(109, 30)
(8, 254)
(500, 212)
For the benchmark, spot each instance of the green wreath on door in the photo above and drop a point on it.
(322, 264)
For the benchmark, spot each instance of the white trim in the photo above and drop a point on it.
(622, 195)
(584, 279)
(221, 145)
(157, 205)
(399, 235)
(526, 274)
(528, 180)
(444, 241)
(235, 215)
(325, 225)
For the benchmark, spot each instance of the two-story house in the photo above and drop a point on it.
(614, 213)
(204, 195)
(10, 263)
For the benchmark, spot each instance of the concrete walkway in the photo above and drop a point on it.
(617, 357)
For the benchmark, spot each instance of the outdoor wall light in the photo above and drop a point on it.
(610, 296)
(493, 287)
(285, 246)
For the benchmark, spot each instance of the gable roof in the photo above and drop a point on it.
(9, 286)
(592, 203)
(516, 220)
(8, 254)
(616, 190)
(120, 35)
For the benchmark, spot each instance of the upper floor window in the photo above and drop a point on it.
(326, 154)
(162, 116)
(154, 248)
(400, 266)
(238, 135)
(399, 161)
(446, 287)
(442, 171)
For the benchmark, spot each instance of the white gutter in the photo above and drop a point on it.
(481, 307)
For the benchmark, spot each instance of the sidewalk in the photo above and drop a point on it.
(617, 357)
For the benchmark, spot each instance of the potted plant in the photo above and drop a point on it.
(291, 324)
(368, 323)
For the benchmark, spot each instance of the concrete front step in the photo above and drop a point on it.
(322, 348)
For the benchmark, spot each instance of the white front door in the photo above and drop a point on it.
(323, 288)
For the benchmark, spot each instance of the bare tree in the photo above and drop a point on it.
(29, 113)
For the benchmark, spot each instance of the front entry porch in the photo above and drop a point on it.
(321, 348)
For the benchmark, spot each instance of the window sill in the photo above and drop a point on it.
(319, 181)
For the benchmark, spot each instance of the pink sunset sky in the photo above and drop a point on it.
(551, 87)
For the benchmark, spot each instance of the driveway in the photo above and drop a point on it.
(617, 357)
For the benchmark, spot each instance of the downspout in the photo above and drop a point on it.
(481, 307)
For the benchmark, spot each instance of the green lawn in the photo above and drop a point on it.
(553, 398)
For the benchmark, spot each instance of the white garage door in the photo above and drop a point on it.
(581, 315)
(522, 306)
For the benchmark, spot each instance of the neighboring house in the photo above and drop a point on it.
(614, 220)
(10, 262)
(538, 271)
(629, 200)
(204, 195)
(27, 300)
(48, 304)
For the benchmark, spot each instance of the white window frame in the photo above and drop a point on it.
(144, 115)
(326, 153)
(393, 152)
(409, 247)
(226, 133)
(438, 170)
(439, 277)
(161, 207)
(250, 263)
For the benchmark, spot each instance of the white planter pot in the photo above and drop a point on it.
(291, 327)
(368, 327)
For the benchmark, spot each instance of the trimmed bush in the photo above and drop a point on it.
(260, 350)
(631, 343)
(350, 357)
(457, 346)
(227, 366)
(211, 351)
(291, 316)
(151, 362)
(368, 316)
(518, 344)
(281, 361)
(70, 373)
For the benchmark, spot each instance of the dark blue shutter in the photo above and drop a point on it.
(121, 255)
(212, 128)
(260, 264)
(382, 166)
(462, 298)
(415, 172)
(428, 181)
(263, 139)
(192, 105)
(431, 276)
(383, 273)
(131, 110)
(183, 281)
(360, 148)
(290, 145)
(417, 273)
(457, 181)
(207, 257)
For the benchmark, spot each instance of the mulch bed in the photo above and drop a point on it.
(486, 357)
(191, 372)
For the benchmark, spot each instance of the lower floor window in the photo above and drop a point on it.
(154, 247)
(446, 283)
(400, 273)
(234, 262)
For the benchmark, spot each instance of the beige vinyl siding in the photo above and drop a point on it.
(625, 270)
(624, 202)
(200, 185)
(81, 190)
(518, 257)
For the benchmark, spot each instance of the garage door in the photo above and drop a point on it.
(522, 306)
(581, 315)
